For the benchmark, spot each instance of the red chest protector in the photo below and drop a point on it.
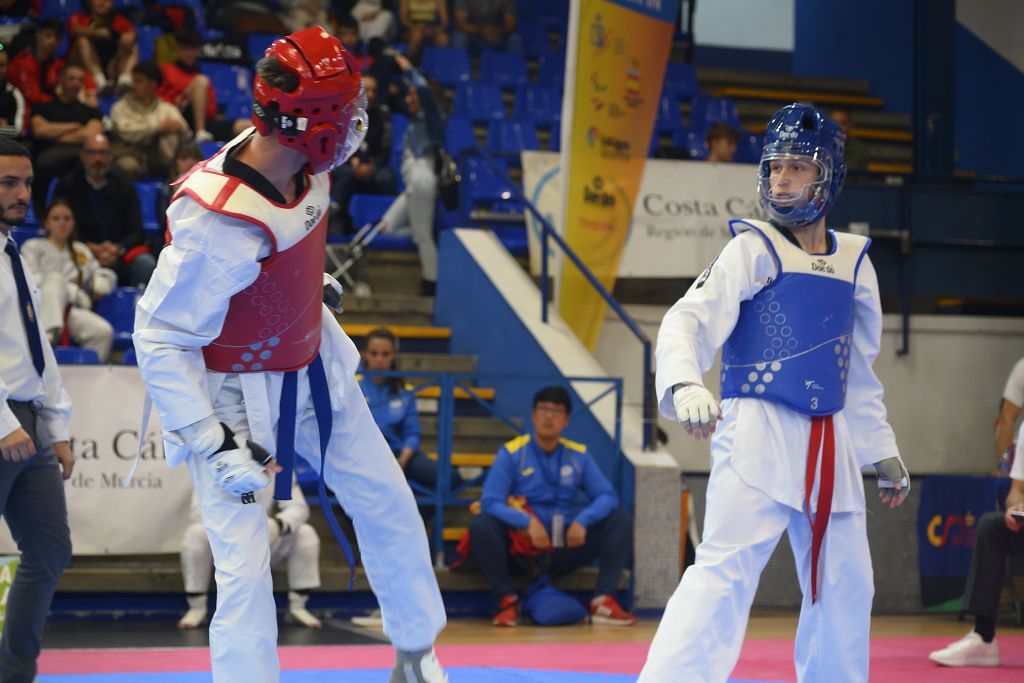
(272, 325)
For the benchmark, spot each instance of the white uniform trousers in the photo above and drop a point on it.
(412, 212)
(365, 476)
(299, 550)
(88, 329)
(702, 629)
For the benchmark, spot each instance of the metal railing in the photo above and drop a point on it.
(548, 232)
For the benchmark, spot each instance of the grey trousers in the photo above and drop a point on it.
(993, 543)
(32, 503)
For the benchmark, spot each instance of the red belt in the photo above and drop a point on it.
(822, 439)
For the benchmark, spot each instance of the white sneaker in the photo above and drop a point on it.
(970, 650)
(418, 667)
(192, 618)
(297, 610)
(371, 620)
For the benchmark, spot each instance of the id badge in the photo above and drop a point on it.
(558, 530)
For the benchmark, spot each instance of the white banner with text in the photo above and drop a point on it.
(150, 515)
(680, 219)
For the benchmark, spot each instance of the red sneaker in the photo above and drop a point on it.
(508, 612)
(605, 610)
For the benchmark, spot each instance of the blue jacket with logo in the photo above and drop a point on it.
(550, 482)
(395, 414)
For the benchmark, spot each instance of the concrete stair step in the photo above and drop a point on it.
(471, 427)
(435, 362)
(390, 304)
(711, 78)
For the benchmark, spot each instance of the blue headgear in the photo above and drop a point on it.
(800, 130)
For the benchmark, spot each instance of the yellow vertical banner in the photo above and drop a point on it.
(615, 65)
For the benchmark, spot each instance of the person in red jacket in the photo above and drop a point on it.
(103, 41)
(185, 86)
(34, 70)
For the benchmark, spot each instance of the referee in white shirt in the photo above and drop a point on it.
(34, 412)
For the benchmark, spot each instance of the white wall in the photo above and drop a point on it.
(998, 23)
(942, 397)
(747, 24)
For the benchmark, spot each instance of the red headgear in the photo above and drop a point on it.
(324, 117)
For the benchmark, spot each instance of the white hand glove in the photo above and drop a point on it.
(893, 481)
(83, 300)
(334, 293)
(239, 470)
(696, 409)
(102, 286)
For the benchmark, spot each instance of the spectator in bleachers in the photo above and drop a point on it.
(187, 157)
(185, 86)
(424, 21)
(483, 24)
(550, 472)
(722, 140)
(367, 171)
(306, 13)
(12, 103)
(293, 542)
(103, 41)
(59, 128)
(70, 279)
(34, 69)
(393, 406)
(147, 130)
(857, 155)
(413, 209)
(346, 29)
(375, 21)
(107, 208)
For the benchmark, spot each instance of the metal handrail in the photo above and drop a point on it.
(548, 232)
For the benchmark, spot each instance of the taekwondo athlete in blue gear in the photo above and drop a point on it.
(795, 309)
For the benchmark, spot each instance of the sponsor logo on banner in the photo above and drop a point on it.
(952, 530)
(595, 194)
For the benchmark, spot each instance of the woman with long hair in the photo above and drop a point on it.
(70, 279)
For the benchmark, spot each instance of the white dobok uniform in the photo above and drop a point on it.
(756, 490)
(298, 550)
(212, 257)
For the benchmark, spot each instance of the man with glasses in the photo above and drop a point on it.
(549, 472)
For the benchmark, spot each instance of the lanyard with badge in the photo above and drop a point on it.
(557, 519)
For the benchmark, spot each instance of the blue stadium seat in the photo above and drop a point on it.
(210, 147)
(118, 308)
(74, 355)
(59, 9)
(258, 43)
(555, 141)
(748, 150)
(147, 202)
(507, 70)
(106, 103)
(670, 118)
(695, 142)
(508, 138)
(230, 82)
(22, 235)
(681, 81)
(538, 104)
(129, 357)
(238, 109)
(368, 208)
(480, 183)
(446, 65)
(708, 111)
(536, 42)
(146, 40)
(478, 102)
(458, 135)
(551, 70)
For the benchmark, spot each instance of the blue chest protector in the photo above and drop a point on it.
(792, 341)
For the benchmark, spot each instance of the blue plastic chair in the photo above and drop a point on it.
(478, 102)
(695, 142)
(555, 141)
(681, 81)
(536, 42)
(258, 43)
(480, 183)
(507, 70)
(238, 109)
(368, 208)
(708, 111)
(748, 150)
(210, 147)
(59, 9)
(118, 308)
(458, 135)
(146, 40)
(551, 70)
(230, 82)
(508, 138)
(74, 355)
(538, 104)
(446, 65)
(670, 118)
(22, 235)
(147, 201)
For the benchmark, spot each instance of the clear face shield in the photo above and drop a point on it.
(794, 184)
(353, 124)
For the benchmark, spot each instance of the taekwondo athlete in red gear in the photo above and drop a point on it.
(795, 309)
(243, 362)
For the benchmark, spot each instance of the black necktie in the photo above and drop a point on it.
(28, 311)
